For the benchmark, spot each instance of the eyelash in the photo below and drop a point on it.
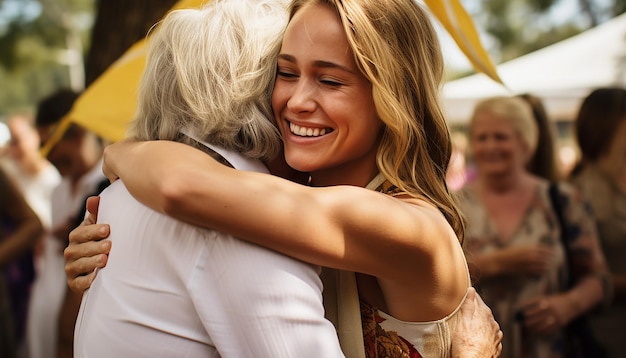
(331, 83)
(286, 74)
(290, 75)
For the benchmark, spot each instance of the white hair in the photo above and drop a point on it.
(212, 70)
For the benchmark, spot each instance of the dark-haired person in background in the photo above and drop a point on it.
(77, 156)
(601, 176)
(20, 228)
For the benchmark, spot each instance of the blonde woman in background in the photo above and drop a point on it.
(513, 237)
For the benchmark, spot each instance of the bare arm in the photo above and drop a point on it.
(342, 227)
(28, 227)
(587, 266)
(531, 260)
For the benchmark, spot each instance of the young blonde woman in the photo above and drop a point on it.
(356, 103)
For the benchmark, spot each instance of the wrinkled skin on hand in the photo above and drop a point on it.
(477, 333)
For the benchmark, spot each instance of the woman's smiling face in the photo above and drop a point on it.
(497, 147)
(323, 103)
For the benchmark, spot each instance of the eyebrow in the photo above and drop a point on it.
(318, 63)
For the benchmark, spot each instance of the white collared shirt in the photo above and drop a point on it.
(171, 289)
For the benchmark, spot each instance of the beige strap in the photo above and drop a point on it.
(341, 302)
(350, 328)
(376, 182)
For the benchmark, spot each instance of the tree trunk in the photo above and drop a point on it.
(119, 24)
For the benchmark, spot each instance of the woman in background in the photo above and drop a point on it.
(513, 240)
(601, 176)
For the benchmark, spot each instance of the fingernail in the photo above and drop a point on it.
(102, 230)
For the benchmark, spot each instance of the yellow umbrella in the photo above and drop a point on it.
(108, 104)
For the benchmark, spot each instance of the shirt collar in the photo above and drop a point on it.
(236, 159)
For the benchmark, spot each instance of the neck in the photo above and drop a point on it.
(502, 183)
(279, 167)
(343, 176)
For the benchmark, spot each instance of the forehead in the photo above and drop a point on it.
(490, 121)
(316, 30)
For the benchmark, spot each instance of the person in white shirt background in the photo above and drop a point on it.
(78, 158)
(33, 173)
(36, 178)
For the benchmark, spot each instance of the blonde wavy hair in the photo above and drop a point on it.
(212, 70)
(397, 49)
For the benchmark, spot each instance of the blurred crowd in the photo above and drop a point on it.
(37, 310)
(545, 241)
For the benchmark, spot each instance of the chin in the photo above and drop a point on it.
(301, 164)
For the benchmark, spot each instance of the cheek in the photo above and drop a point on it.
(476, 148)
(279, 96)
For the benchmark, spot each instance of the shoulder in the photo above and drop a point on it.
(430, 221)
(593, 183)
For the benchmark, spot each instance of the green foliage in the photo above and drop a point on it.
(32, 35)
(541, 5)
(517, 27)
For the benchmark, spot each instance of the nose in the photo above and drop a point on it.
(302, 100)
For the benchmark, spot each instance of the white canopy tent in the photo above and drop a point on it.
(562, 74)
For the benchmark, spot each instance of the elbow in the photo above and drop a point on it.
(171, 195)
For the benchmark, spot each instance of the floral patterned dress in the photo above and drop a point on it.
(386, 336)
(505, 295)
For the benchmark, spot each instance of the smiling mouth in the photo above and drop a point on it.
(307, 131)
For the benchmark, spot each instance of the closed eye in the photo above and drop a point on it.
(331, 83)
(286, 75)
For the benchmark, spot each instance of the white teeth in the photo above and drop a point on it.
(306, 132)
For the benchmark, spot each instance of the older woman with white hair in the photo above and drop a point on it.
(171, 288)
(517, 254)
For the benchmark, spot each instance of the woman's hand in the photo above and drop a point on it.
(550, 314)
(86, 251)
(477, 333)
(531, 260)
